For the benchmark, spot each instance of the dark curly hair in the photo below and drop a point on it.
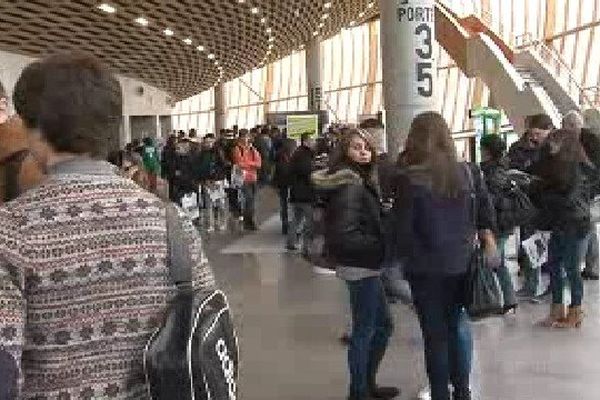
(73, 100)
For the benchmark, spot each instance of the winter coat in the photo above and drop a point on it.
(353, 228)
(434, 234)
(281, 177)
(522, 156)
(211, 165)
(563, 199)
(300, 169)
(169, 162)
(249, 160)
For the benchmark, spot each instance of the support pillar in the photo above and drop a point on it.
(409, 65)
(313, 75)
(220, 109)
(125, 131)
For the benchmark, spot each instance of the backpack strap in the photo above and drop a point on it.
(178, 255)
(12, 169)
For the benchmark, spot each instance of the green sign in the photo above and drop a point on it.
(299, 124)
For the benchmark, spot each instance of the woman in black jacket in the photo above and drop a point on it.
(354, 241)
(563, 198)
(436, 230)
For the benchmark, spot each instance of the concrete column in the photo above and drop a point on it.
(313, 75)
(220, 108)
(125, 131)
(409, 65)
(158, 128)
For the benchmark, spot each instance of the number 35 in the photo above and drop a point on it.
(424, 68)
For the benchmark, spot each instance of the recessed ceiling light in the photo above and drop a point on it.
(327, 5)
(272, 39)
(255, 10)
(324, 16)
(352, 23)
(141, 21)
(321, 25)
(263, 20)
(107, 8)
(241, 1)
(315, 33)
(270, 46)
(302, 46)
(211, 56)
(168, 32)
(200, 48)
(361, 14)
(269, 30)
(371, 5)
(187, 41)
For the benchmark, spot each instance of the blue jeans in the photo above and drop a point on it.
(372, 327)
(446, 332)
(592, 257)
(565, 254)
(504, 278)
(248, 203)
(284, 196)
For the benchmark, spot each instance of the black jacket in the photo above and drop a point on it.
(353, 228)
(562, 196)
(522, 156)
(299, 172)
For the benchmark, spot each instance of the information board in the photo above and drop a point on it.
(299, 124)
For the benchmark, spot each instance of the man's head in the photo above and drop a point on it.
(73, 100)
(492, 147)
(539, 128)
(209, 141)
(244, 137)
(573, 121)
(306, 140)
(3, 105)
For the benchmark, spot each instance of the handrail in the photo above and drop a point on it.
(562, 71)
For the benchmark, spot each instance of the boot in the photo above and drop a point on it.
(558, 312)
(461, 394)
(378, 392)
(574, 318)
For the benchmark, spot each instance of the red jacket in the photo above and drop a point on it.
(248, 159)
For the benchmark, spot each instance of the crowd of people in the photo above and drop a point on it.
(82, 236)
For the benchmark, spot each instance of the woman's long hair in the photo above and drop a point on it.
(430, 145)
(561, 153)
(339, 158)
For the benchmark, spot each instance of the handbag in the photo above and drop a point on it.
(194, 355)
(483, 295)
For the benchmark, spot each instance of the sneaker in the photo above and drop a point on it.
(589, 276)
(323, 271)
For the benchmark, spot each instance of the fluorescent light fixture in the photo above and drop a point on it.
(255, 10)
(211, 56)
(327, 5)
(141, 21)
(187, 41)
(324, 16)
(168, 32)
(107, 8)
(200, 48)
(272, 39)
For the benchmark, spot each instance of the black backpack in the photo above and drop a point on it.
(512, 203)
(195, 353)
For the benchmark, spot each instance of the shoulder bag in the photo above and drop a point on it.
(194, 355)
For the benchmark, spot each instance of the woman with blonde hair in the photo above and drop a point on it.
(437, 222)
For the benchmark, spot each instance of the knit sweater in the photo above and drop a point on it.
(84, 283)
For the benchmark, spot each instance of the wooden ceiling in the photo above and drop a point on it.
(236, 35)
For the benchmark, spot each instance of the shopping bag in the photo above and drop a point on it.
(189, 204)
(484, 295)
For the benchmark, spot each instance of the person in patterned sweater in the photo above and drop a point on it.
(84, 280)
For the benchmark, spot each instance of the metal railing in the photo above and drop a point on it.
(560, 69)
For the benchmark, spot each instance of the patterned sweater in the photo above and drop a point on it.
(83, 284)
